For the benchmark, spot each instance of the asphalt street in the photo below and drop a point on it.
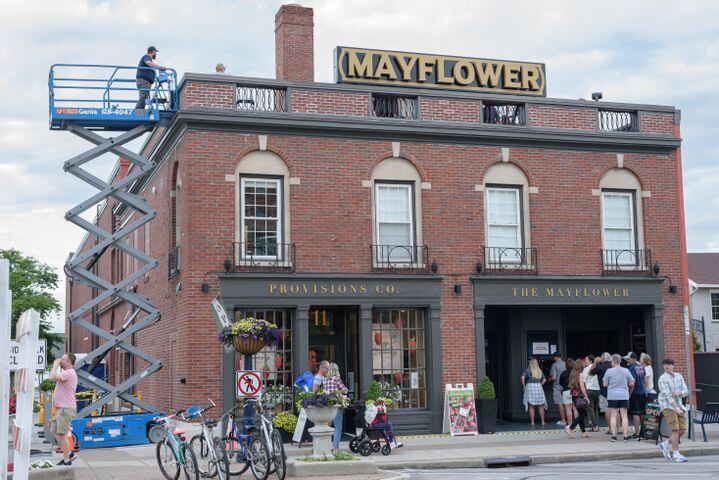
(695, 468)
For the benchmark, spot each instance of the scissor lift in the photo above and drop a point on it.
(85, 99)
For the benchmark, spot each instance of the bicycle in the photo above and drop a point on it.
(251, 450)
(173, 453)
(212, 457)
(273, 440)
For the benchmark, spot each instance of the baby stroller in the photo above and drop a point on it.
(370, 438)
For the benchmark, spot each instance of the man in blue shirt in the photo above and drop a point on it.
(638, 399)
(146, 76)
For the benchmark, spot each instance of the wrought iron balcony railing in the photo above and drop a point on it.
(173, 262)
(504, 113)
(510, 260)
(400, 257)
(263, 255)
(261, 99)
(391, 106)
(626, 261)
(617, 121)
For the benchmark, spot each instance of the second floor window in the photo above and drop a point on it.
(395, 226)
(504, 223)
(618, 224)
(261, 222)
(715, 306)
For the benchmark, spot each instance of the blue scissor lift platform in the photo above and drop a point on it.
(85, 99)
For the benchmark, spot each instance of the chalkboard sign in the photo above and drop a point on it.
(652, 422)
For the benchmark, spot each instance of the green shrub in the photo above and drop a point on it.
(47, 385)
(287, 421)
(485, 390)
(374, 391)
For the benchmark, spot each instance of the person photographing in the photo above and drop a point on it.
(63, 398)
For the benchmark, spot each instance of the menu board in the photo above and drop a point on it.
(652, 422)
(460, 415)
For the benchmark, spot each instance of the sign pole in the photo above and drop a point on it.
(688, 336)
(249, 408)
(26, 332)
(5, 316)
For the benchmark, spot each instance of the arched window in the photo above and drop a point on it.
(262, 233)
(397, 214)
(506, 213)
(622, 220)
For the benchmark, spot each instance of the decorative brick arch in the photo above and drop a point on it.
(386, 156)
(608, 168)
(530, 178)
(256, 148)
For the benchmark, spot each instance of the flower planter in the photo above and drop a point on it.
(321, 415)
(486, 415)
(321, 432)
(247, 345)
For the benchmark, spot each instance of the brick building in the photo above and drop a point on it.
(415, 235)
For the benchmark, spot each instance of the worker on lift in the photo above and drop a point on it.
(145, 77)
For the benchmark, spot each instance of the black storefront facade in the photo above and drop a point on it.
(376, 327)
(516, 318)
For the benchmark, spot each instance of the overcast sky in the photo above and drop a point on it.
(656, 52)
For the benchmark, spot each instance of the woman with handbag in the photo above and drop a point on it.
(580, 400)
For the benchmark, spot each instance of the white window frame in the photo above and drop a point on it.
(414, 256)
(280, 250)
(520, 238)
(711, 307)
(633, 232)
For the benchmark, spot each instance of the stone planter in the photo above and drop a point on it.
(486, 415)
(321, 432)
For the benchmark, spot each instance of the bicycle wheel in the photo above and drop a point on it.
(190, 466)
(167, 461)
(259, 459)
(237, 463)
(278, 455)
(205, 462)
(222, 458)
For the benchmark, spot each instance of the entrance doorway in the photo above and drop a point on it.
(333, 336)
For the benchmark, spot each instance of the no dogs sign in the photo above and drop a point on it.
(249, 383)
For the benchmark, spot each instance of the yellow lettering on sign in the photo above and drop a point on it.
(530, 77)
(511, 76)
(357, 67)
(363, 289)
(294, 288)
(385, 68)
(272, 287)
(283, 288)
(342, 289)
(441, 77)
(514, 291)
(625, 292)
(426, 64)
(550, 292)
(463, 72)
(406, 66)
(487, 74)
(534, 292)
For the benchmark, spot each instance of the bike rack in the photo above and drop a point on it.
(76, 117)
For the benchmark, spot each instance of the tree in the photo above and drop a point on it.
(32, 283)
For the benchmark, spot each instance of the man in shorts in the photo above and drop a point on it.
(63, 398)
(619, 383)
(603, 364)
(672, 390)
(554, 372)
(638, 398)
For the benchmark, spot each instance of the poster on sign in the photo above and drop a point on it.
(460, 414)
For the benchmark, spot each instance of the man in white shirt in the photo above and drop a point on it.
(672, 389)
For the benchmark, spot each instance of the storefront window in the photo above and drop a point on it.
(274, 362)
(399, 356)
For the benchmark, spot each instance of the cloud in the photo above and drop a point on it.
(659, 52)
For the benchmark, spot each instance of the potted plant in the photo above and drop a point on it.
(249, 335)
(486, 406)
(321, 408)
(285, 423)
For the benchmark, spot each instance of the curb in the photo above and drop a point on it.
(480, 462)
(397, 475)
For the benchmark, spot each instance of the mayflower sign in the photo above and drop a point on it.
(359, 65)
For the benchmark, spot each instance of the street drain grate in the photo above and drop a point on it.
(505, 462)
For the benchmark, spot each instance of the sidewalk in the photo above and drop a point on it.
(434, 452)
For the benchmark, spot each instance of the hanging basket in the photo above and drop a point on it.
(247, 345)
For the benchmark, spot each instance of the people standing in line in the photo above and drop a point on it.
(145, 76)
(63, 399)
(319, 381)
(580, 399)
(648, 376)
(619, 383)
(333, 383)
(672, 390)
(600, 370)
(638, 398)
(554, 372)
(591, 385)
(567, 404)
(532, 381)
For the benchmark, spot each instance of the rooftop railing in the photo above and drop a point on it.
(261, 99)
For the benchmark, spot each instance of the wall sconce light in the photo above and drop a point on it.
(478, 266)
(183, 381)
(205, 288)
(656, 269)
(457, 289)
(434, 266)
(228, 264)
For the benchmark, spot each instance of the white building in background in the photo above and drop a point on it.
(704, 291)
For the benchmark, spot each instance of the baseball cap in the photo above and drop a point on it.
(631, 355)
(152, 49)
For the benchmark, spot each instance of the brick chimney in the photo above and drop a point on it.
(294, 43)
